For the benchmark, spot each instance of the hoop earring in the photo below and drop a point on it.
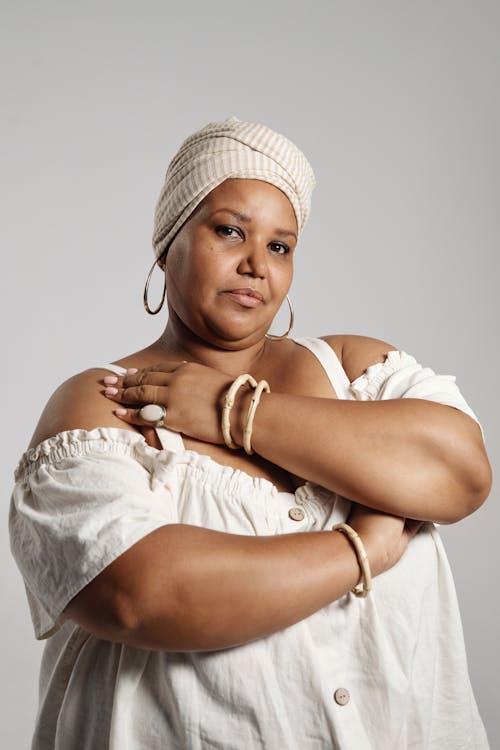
(146, 290)
(284, 335)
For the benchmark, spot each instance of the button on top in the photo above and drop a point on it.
(341, 696)
(296, 514)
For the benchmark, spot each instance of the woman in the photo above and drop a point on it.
(183, 603)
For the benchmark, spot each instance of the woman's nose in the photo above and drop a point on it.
(254, 260)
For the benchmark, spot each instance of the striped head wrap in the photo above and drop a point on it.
(222, 150)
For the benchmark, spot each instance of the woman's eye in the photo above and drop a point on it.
(227, 231)
(280, 248)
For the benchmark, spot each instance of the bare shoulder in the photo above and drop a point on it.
(358, 352)
(78, 404)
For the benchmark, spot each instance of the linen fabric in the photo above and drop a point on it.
(82, 498)
(223, 150)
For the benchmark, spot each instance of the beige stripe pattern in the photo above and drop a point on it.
(222, 150)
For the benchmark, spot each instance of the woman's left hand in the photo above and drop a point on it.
(191, 393)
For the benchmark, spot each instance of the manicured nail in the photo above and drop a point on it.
(111, 391)
(132, 370)
(110, 380)
(120, 412)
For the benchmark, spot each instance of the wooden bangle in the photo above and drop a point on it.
(363, 561)
(262, 385)
(228, 405)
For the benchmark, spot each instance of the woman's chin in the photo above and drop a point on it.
(235, 334)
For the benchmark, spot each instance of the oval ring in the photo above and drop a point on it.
(154, 414)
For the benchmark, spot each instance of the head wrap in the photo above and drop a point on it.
(222, 150)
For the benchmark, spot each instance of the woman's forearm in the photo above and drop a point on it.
(185, 588)
(410, 457)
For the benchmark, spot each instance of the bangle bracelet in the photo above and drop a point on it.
(228, 405)
(364, 564)
(262, 385)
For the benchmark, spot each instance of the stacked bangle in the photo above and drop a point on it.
(228, 405)
(262, 385)
(364, 564)
(229, 399)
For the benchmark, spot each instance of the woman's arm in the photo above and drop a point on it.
(411, 457)
(404, 456)
(407, 456)
(182, 587)
(185, 588)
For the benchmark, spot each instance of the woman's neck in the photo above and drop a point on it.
(177, 341)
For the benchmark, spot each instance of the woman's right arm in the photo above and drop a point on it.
(186, 588)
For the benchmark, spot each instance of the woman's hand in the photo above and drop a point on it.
(191, 393)
(384, 536)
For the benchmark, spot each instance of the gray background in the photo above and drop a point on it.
(396, 105)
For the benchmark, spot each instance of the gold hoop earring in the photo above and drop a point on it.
(146, 290)
(283, 335)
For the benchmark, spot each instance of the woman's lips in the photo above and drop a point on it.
(245, 297)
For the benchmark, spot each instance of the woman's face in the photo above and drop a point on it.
(230, 266)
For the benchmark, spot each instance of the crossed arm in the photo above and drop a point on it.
(187, 588)
(411, 457)
(407, 456)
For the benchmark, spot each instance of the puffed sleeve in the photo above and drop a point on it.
(401, 376)
(80, 500)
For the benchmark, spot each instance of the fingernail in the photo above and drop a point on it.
(132, 370)
(120, 412)
(110, 380)
(111, 391)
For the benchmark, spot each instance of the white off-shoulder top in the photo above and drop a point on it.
(388, 672)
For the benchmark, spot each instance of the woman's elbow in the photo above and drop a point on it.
(482, 479)
(110, 618)
(475, 486)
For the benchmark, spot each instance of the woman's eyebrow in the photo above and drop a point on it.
(247, 219)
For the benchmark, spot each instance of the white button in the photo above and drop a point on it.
(341, 696)
(296, 514)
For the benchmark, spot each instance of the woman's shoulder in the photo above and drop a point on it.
(78, 403)
(356, 353)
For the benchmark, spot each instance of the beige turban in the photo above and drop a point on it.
(221, 150)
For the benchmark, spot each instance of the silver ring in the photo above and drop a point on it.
(154, 414)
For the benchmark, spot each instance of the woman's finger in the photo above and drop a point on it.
(164, 367)
(146, 377)
(142, 377)
(133, 416)
(139, 394)
(156, 375)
